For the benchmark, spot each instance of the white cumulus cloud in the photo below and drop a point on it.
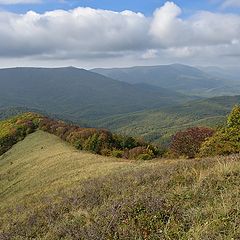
(86, 34)
(201, 29)
(78, 31)
(231, 3)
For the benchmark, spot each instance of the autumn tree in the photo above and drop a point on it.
(187, 143)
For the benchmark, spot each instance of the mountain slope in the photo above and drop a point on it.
(77, 93)
(181, 78)
(158, 125)
(223, 72)
(43, 157)
(51, 191)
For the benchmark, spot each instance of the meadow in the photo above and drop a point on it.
(50, 190)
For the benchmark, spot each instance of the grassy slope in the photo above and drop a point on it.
(49, 190)
(43, 158)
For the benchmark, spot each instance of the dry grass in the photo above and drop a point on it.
(49, 190)
(42, 164)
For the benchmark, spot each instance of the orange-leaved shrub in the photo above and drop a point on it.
(187, 143)
(141, 152)
(99, 141)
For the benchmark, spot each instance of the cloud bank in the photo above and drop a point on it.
(95, 35)
(231, 3)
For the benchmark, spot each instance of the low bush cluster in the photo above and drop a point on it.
(203, 142)
(227, 139)
(191, 143)
(98, 141)
(188, 143)
(16, 129)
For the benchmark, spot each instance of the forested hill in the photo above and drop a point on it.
(156, 125)
(160, 124)
(78, 93)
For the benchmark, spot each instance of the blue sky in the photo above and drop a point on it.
(144, 6)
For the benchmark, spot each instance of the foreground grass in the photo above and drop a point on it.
(49, 190)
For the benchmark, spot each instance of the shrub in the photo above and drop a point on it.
(233, 121)
(226, 140)
(92, 144)
(15, 129)
(99, 141)
(6, 143)
(117, 153)
(144, 156)
(222, 143)
(140, 152)
(187, 143)
(78, 144)
(124, 142)
(106, 152)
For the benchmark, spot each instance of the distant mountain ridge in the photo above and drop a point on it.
(177, 77)
(78, 93)
(91, 99)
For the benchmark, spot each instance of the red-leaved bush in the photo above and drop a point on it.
(187, 143)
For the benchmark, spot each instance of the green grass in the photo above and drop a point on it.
(49, 190)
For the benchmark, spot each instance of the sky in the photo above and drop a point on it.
(111, 33)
